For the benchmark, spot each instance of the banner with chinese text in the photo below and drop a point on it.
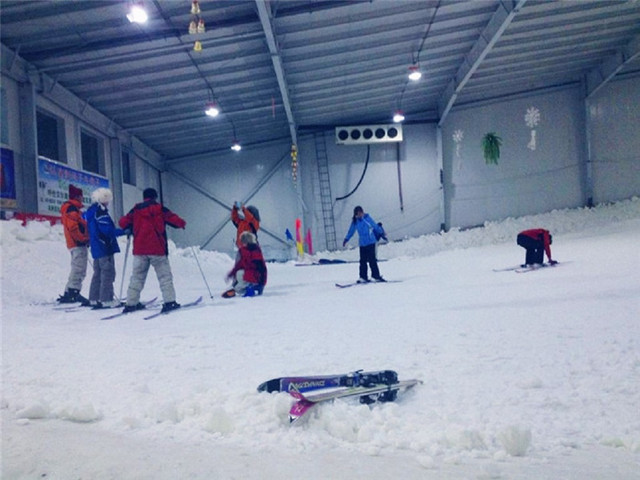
(53, 185)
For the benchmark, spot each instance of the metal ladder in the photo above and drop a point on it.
(325, 192)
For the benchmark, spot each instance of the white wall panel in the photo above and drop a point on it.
(614, 120)
(526, 180)
(230, 177)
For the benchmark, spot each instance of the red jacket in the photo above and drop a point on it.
(541, 235)
(247, 224)
(75, 226)
(252, 262)
(147, 220)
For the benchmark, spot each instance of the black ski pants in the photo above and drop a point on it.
(368, 257)
(535, 249)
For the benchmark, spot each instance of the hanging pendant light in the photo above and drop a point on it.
(193, 27)
(212, 109)
(137, 13)
(197, 46)
(414, 73)
(195, 7)
(200, 28)
(236, 147)
(398, 117)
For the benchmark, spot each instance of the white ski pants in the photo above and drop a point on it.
(141, 264)
(79, 259)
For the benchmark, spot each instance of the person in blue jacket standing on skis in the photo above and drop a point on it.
(102, 239)
(368, 234)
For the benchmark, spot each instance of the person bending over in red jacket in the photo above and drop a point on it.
(249, 274)
(147, 221)
(536, 242)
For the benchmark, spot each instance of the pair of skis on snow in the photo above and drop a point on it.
(148, 303)
(353, 284)
(527, 268)
(184, 306)
(368, 387)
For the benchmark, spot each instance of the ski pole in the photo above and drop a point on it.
(124, 268)
(201, 272)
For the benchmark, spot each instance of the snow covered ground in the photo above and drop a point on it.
(526, 376)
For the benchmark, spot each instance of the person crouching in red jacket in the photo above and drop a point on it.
(249, 274)
(536, 242)
(147, 222)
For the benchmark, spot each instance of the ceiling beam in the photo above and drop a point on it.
(264, 12)
(599, 76)
(498, 23)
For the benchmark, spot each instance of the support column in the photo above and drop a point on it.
(27, 161)
(115, 151)
(587, 169)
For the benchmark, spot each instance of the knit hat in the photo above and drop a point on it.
(150, 193)
(101, 195)
(254, 211)
(74, 192)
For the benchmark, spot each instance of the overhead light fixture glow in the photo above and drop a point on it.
(236, 147)
(212, 109)
(414, 73)
(137, 14)
(398, 117)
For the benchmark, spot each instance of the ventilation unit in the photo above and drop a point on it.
(361, 134)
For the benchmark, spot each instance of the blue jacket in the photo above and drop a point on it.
(366, 227)
(102, 231)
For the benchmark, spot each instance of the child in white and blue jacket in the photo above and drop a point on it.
(368, 234)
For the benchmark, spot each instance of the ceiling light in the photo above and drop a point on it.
(398, 117)
(212, 109)
(197, 46)
(414, 73)
(236, 147)
(137, 13)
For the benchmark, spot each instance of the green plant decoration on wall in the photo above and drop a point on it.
(491, 144)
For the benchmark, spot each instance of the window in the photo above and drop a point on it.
(92, 153)
(4, 117)
(128, 169)
(50, 136)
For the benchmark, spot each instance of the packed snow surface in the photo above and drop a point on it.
(525, 375)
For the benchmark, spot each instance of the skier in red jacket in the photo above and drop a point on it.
(536, 242)
(249, 274)
(147, 221)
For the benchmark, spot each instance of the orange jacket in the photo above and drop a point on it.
(247, 224)
(75, 226)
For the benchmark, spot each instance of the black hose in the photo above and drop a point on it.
(366, 164)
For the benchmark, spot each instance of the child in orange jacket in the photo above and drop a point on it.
(76, 234)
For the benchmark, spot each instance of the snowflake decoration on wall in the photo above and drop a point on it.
(532, 119)
(457, 138)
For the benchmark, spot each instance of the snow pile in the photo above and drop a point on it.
(525, 376)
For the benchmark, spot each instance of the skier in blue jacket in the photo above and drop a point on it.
(368, 234)
(103, 244)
